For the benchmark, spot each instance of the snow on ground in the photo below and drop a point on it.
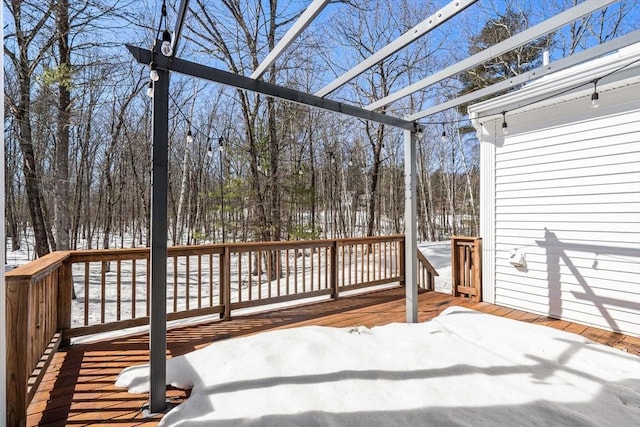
(461, 368)
(439, 255)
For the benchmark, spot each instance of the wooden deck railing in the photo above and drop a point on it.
(36, 304)
(112, 288)
(426, 273)
(466, 267)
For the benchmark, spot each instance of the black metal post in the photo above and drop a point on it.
(158, 312)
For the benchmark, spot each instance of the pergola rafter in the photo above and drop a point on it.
(432, 22)
(520, 39)
(561, 64)
(296, 29)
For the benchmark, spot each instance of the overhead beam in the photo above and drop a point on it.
(552, 24)
(144, 56)
(298, 27)
(561, 64)
(433, 21)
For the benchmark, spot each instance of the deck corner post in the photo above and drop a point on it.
(65, 293)
(477, 267)
(225, 282)
(334, 270)
(401, 258)
(454, 267)
(17, 337)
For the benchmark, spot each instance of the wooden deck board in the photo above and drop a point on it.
(79, 385)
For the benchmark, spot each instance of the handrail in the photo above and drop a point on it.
(426, 273)
(201, 280)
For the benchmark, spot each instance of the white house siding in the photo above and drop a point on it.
(567, 194)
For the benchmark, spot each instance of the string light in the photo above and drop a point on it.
(209, 151)
(221, 144)
(150, 90)
(444, 134)
(351, 161)
(189, 136)
(505, 128)
(595, 101)
(166, 48)
(595, 98)
(153, 73)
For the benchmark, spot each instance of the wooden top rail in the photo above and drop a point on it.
(94, 255)
(39, 268)
(464, 240)
(371, 239)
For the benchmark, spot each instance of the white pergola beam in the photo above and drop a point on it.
(594, 52)
(438, 18)
(545, 27)
(298, 27)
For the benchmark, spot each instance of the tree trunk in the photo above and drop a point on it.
(61, 185)
(30, 169)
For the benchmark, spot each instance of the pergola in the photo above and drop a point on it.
(410, 124)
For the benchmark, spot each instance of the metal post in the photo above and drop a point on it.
(158, 313)
(220, 150)
(410, 217)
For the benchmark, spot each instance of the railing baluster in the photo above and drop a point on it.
(118, 289)
(210, 280)
(133, 289)
(148, 284)
(287, 271)
(269, 271)
(175, 284)
(311, 269)
(199, 257)
(187, 284)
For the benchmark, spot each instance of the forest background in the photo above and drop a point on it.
(244, 167)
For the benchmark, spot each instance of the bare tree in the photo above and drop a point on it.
(26, 46)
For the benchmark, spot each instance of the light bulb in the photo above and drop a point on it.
(505, 128)
(210, 152)
(221, 144)
(300, 172)
(150, 90)
(444, 134)
(153, 74)
(189, 137)
(595, 100)
(166, 48)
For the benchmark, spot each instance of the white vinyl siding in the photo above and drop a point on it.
(567, 193)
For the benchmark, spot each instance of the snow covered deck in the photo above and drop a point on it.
(79, 385)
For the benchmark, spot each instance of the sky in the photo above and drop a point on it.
(461, 368)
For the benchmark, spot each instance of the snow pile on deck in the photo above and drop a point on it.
(461, 368)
